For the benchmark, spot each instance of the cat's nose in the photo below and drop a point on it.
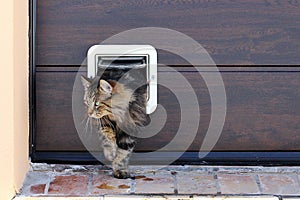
(90, 111)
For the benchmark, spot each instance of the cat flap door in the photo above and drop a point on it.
(127, 57)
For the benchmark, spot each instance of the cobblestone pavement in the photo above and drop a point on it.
(188, 181)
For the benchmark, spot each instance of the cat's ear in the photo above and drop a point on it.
(105, 87)
(86, 82)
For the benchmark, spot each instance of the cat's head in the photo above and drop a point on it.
(104, 98)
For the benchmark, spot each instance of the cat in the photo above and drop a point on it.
(118, 111)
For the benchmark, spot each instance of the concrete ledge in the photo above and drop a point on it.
(155, 197)
(189, 182)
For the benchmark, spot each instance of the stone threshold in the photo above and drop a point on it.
(157, 182)
(157, 197)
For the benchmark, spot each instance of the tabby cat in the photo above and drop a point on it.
(118, 110)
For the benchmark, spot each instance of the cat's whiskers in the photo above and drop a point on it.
(91, 125)
(98, 122)
(86, 126)
(84, 119)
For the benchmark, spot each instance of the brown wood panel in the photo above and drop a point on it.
(233, 32)
(263, 112)
(55, 128)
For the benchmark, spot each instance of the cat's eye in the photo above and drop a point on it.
(97, 103)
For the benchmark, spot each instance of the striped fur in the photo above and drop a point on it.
(120, 112)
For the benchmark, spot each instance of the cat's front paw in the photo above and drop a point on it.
(121, 174)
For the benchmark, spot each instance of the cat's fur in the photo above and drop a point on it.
(118, 111)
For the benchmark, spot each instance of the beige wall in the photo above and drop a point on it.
(6, 106)
(21, 102)
(14, 96)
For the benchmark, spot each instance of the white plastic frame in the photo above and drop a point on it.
(128, 50)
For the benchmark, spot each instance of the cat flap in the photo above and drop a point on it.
(126, 57)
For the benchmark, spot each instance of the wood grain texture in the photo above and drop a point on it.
(233, 32)
(263, 112)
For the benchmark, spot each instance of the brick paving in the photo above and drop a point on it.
(280, 184)
(105, 184)
(68, 185)
(198, 183)
(96, 181)
(237, 184)
(154, 182)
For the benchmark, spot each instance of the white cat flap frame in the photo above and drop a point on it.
(147, 51)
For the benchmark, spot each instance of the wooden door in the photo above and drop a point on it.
(255, 43)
